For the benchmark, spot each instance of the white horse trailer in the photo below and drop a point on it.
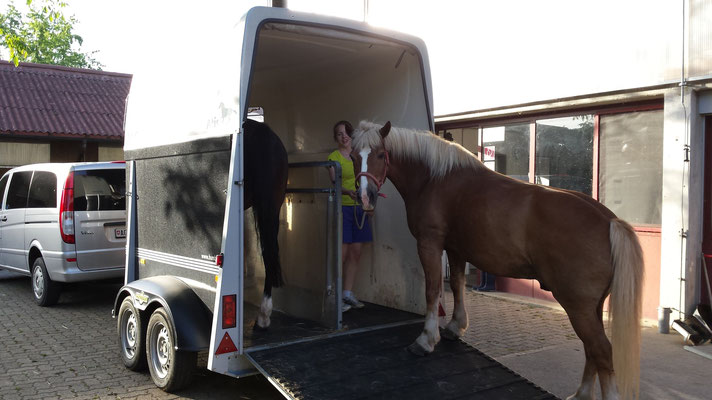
(193, 276)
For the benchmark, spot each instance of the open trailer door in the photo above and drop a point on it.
(373, 364)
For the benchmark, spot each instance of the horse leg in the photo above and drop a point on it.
(430, 257)
(458, 324)
(588, 381)
(263, 317)
(269, 229)
(589, 328)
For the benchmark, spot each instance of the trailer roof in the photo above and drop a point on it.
(268, 44)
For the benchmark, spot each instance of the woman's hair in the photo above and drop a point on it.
(347, 126)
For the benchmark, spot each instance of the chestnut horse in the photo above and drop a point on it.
(573, 245)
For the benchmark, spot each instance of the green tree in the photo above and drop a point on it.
(44, 35)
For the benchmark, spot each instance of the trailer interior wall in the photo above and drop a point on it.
(306, 79)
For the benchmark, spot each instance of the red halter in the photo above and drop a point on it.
(378, 182)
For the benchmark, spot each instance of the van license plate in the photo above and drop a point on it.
(120, 233)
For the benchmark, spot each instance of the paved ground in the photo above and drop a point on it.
(70, 351)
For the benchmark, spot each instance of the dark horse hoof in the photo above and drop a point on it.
(417, 349)
(258, 328)
(447, 334)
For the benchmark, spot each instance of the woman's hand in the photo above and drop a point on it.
(352, 194)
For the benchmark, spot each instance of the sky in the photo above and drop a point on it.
(483, 54)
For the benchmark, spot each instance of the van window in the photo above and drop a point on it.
(102, 189)
(19, 186)
(3, 184)
(43, 190)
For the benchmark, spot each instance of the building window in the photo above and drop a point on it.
(564, 153)
(630, 166)
(505, 149)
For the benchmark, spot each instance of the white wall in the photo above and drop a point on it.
(681, 235)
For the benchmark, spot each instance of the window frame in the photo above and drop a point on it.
(531, 119)
(13, 180)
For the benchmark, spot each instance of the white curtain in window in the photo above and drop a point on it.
(630, 169)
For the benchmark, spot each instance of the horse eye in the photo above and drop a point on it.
(381, 156)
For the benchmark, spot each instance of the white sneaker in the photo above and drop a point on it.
(345, 306)
(353, 302)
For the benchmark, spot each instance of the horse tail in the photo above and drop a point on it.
(268, 184)
(625, 306)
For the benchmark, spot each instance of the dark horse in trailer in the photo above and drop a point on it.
(266, 167)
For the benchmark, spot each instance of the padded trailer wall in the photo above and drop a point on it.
(180, 195)
(305, 78)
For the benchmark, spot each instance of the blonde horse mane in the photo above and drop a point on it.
(439, 155)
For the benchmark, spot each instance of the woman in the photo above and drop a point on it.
(356, 229)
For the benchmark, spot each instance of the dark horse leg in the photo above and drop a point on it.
(266, 167)
(458, 324)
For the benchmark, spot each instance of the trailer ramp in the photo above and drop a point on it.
(374, 364)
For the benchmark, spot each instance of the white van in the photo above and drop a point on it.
(63, 222)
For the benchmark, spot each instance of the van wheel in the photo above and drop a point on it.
(170, 369)
(131, 331)
(45, 290)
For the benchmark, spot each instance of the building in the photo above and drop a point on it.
(51, 113)
(645, 152)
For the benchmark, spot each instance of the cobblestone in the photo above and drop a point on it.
(69, 351)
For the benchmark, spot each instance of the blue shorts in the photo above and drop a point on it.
(352, 234)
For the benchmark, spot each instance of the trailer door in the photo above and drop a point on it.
(375, 364)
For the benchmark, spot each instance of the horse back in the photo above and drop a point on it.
(517, 229)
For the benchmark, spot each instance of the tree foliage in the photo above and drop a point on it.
(43, 35)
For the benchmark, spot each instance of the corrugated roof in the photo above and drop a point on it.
(37, 99)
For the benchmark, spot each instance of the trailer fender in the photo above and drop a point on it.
(191, 319)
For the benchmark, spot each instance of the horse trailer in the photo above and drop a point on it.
(194, 272)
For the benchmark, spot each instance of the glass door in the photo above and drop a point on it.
(707, 212)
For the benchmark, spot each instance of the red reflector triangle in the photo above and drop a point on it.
(226, 345)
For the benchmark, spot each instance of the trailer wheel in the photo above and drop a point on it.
(45, 290)
(131, 332)
(170, 369)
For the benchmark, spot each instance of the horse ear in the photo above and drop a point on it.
(385, 130)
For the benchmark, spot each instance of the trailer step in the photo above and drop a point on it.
(375, 364)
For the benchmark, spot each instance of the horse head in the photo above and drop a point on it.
(370, 155)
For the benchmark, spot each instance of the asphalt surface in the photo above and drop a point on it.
(70, 350)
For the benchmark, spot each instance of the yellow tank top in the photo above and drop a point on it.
(348, 178)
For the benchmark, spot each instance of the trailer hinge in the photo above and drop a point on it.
(239, 183)
(683, 233)
(129, 194)
(686, 149)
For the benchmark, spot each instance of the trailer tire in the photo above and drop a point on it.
(170, 369)
(131, 330)
(45, 290)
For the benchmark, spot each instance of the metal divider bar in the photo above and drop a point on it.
(334, 233)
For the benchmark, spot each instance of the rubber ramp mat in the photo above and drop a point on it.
(376, 365)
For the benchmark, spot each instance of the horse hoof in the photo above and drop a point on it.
(448, 335)
(417, 349)
(259, 328)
